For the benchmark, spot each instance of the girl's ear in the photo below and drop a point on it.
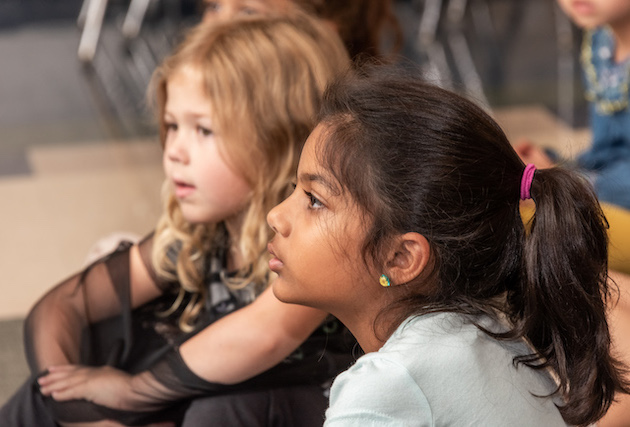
(408, 257)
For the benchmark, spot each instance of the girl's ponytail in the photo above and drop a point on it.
(564, 295)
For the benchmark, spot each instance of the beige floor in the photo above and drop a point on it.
(76, 195)
(80, 193)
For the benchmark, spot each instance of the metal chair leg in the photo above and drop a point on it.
(94, 16)
(566, 67)
(134, 18)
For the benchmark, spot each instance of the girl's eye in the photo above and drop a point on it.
(211, 6)
(204, 131)
(249, 11)
(314, 202)
(170, 126)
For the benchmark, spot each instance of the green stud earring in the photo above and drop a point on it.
(384, 281)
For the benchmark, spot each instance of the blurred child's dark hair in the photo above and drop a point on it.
(417, 158)
(369, 28)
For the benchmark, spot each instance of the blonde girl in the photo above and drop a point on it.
(182, 320)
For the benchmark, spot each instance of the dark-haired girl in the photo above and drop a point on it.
(405, 225)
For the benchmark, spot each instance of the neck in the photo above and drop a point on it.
(621, 33)
(359, 320)
(363, 331)
(234, 257)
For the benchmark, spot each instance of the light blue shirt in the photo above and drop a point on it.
(439, 370)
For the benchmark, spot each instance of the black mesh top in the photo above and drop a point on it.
(88, 320)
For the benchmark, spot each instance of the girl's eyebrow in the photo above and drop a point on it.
(313, 177)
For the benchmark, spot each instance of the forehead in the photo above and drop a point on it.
(275, 5)
(311, 167)
(257, 5)
(185, 88)
(311, 152)
(186, 77)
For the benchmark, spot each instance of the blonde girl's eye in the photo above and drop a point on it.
(313, 202)
(204, 131)
(170, 126)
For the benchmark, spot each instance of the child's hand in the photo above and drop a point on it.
(104, 386)
(530, 153)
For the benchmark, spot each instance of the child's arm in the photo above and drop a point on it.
(251, 340)
(54, 326)
(231, 350)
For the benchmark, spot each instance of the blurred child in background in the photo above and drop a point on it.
(606, 65)
(368, 28)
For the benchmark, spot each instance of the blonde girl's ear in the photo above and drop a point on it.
(407, 258)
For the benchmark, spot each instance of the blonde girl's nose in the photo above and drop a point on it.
(176, 148)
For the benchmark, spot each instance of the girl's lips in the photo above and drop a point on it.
(183, 190)
(583, 7)
(275, 264)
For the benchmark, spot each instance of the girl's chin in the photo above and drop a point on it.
(195, 221)
(279, 287)
(195, 217)
(587, 23)
(285, 292)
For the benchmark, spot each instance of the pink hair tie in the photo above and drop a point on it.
(526, 181)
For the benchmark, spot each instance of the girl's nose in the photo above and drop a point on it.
(277, 219)
(176, 149)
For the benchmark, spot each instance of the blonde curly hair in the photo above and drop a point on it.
(264, 78)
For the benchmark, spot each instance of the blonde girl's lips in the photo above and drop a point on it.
(183, 190)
